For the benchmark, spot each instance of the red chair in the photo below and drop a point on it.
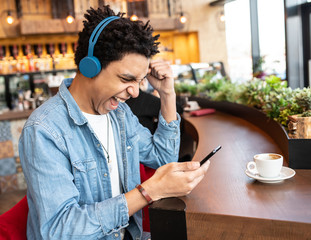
(13, 223)
(145, 173)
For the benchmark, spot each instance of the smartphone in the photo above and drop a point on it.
(210, 155)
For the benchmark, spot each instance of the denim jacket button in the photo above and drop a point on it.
(116, 235)
(105, 174)
(128, 147)
(98, 145)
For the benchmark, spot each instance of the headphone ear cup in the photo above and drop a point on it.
(90, 66)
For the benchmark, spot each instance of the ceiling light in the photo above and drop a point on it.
(133, 18)
(182, 18)
(9, 18)
(222, 17)
(69, 19)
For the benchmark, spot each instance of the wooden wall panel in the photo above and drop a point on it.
(39, 9)
(186, 47)
(49, 26)
(80, 6)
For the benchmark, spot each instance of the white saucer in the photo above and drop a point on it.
(286, 173)
(187, 109)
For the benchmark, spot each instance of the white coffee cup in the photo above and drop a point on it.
(267, 165)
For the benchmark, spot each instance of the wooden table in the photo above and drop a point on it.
(227, 204)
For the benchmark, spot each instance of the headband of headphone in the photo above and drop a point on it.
(90, 66)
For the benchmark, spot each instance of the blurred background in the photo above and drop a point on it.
(238, 39)
(251, 52)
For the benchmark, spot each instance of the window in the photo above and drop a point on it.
(238, 35)
(271, 24)
(271, 38)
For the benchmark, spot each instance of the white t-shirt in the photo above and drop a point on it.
(100, 127)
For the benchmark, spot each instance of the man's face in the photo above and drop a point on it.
(118, 82)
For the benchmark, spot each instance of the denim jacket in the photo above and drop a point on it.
(69, 190)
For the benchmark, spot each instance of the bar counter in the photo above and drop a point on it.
(227, 204)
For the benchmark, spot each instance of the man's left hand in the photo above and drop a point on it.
(160, 76)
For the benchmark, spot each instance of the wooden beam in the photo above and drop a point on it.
(164, 24)
(52, 26)
(49, 26)
(42, 27)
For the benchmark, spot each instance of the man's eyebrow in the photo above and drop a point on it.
(130, 77)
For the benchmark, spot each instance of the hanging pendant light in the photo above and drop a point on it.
(9, 18)
(70, 10)
(182, 18)
(133, 18)
(70, 19)
(222, 16)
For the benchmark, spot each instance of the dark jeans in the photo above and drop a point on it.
(127, 236)
(145, 236)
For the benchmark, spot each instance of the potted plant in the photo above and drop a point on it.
(300, 124)
(184, 90)
(291, 108)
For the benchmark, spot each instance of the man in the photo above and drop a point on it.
(81, 150)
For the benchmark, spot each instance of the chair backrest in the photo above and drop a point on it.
(13, 223)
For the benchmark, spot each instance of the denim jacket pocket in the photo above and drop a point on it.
(131, 142)
(85, 178)
(132, 152)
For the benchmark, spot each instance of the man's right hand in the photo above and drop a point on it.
(175, 179)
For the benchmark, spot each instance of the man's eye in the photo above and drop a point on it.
(127, 80)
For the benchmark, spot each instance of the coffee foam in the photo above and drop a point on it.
(272, 156)
(268, 156)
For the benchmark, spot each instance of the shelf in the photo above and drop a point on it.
(38, 72)
(14, 115)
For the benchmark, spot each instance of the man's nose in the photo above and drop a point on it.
(133, 90)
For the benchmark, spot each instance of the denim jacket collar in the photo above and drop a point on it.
(72, 106)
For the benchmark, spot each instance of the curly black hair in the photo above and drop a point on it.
(120, 37)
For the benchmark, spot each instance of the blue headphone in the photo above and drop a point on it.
(90, 66)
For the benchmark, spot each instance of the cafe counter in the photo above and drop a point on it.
(228, 204)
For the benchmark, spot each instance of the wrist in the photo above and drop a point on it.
(152, 192)
(169, 94)
(144, 193)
